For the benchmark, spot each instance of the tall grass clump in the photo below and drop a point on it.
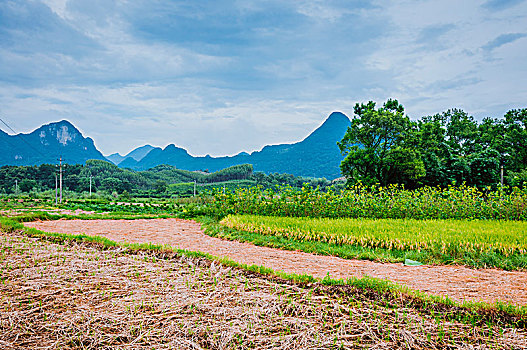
(359, 201)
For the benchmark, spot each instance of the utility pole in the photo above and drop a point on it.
(16, 187)
(60, 159)
(501, 175)
(90, 185)
(194, 188)
(56, 189)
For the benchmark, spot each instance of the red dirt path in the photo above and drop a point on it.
(458, 282)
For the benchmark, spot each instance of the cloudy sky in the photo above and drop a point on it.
(219, 77)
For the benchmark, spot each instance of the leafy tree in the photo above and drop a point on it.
(111, 184)
(518, 179)
(27, 185)
(458, 170)
(404, 166)
(375, 143)
(161, 186)
(461, 131)
(484, 168)
(515, 125)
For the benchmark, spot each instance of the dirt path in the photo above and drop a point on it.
(458, 282)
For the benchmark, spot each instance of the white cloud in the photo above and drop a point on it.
(227, 76)
(458, 72)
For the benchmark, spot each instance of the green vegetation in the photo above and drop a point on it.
(111, 182)
(400, 202)
(384, 146)
(386, 293)
(109, 178)
(500, 244)
(376, 146)
(360, 201)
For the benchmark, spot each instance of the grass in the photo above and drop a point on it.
(65, 292)
(476, 243)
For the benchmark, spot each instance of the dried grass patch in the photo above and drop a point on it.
(75, 295)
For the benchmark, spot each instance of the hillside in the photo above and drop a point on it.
(132, 157)
(315, 156)
(46, 144)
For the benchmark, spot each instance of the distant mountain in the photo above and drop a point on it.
(46, 145)
(115, 158)
(315, 156)
(137, 154)
(140, 152)
(129, 163)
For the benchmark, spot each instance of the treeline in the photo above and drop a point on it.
(382, 145)
(160, 180)
(107, 177)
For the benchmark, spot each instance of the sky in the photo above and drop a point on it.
(220, 77)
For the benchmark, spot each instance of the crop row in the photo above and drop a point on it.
(454, 238)
(453, 202)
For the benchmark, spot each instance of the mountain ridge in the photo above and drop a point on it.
(316, 155)
(46, 144)
(136, 154)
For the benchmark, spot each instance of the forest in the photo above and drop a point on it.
(384, 146)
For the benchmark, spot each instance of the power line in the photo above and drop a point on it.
(18, 135)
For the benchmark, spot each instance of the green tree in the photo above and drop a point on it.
(515, 124)
(431, 133)
(404, 166)
(461, 131)
(111, 184)
(484, 168)
(27, 185)
(161, 186)
(375, 144)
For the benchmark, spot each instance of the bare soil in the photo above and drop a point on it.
(457, 282)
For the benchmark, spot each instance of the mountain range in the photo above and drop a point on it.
(137, 154)
(315, 156)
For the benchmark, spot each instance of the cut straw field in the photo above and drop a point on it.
(69, 294)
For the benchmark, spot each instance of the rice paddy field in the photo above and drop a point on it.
(481, 243)
(73, 291)
(65, 294)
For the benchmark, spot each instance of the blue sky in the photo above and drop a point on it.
(220, 77)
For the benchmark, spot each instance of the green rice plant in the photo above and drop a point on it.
(466, 241)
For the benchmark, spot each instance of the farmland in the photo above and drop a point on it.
(478, 243)
(393, 201)
(73, 294)
(455, 282)
(110, 293)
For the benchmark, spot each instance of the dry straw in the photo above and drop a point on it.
(77, 295)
